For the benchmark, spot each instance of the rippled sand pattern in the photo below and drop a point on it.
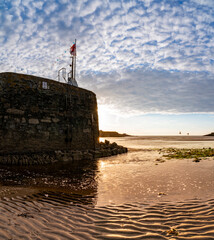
(130, 196)
(49, 215)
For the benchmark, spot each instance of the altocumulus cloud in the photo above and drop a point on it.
(142, 56)
(154, 91)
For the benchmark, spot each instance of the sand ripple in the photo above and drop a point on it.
(49, 215)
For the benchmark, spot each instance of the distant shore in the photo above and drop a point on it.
(171, 138)
(211, 134)
(112, 134)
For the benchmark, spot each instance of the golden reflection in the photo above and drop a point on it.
(102, 164)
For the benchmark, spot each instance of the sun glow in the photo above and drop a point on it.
(105, 117)
(110, 119)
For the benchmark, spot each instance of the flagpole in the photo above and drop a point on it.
(72, 68)
(72, 74)
(75, 59)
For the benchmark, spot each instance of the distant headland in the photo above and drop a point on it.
(112, 134)
(211, 134)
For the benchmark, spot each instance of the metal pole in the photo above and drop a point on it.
(72, 75)
(75, 59)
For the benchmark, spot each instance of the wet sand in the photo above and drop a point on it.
(141, 178)
(57, 216)
(129, 196)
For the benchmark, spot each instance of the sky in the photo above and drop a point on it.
(150, 62)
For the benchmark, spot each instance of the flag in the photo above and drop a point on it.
(73, 50)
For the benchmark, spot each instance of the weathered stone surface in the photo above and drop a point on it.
(33, 121)
(44, 125)
(103, 150)
(17, 120)
(37, 119)
(14, 111)
(77, 156)
(88, 156)
(48, 120)
(97, 154)
(107, 149)
(87, 130)
(23, 120)
(55, 120)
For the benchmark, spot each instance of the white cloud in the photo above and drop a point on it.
(120, 37)
(38, 4)
(208, 3)
(153, 91)
(50, 7)
(89, 7)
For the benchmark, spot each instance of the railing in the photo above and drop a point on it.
(63, 71)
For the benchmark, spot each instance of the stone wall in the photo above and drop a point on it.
(41, 115)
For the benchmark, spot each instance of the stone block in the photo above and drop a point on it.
(98, 154)
(77, 156)
(46, 134)
(23, 120)
(55, 120)
(12, 126)
(17, 120)
(87, 130)
(114, 145)
(120, 150)
(114, 151)
(47, 120)
(33, 121)
(15, 111)
(6, 105)
(88, 156)
(104, 153)
(34, 109)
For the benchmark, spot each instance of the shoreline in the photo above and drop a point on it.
(166, 138)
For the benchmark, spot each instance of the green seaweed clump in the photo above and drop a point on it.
(195, 154)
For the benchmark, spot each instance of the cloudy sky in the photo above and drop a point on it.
(150, 62)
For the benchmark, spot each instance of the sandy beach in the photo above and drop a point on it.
(138, 195)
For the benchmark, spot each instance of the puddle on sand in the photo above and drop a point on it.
(62, 177)
(141, 180)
